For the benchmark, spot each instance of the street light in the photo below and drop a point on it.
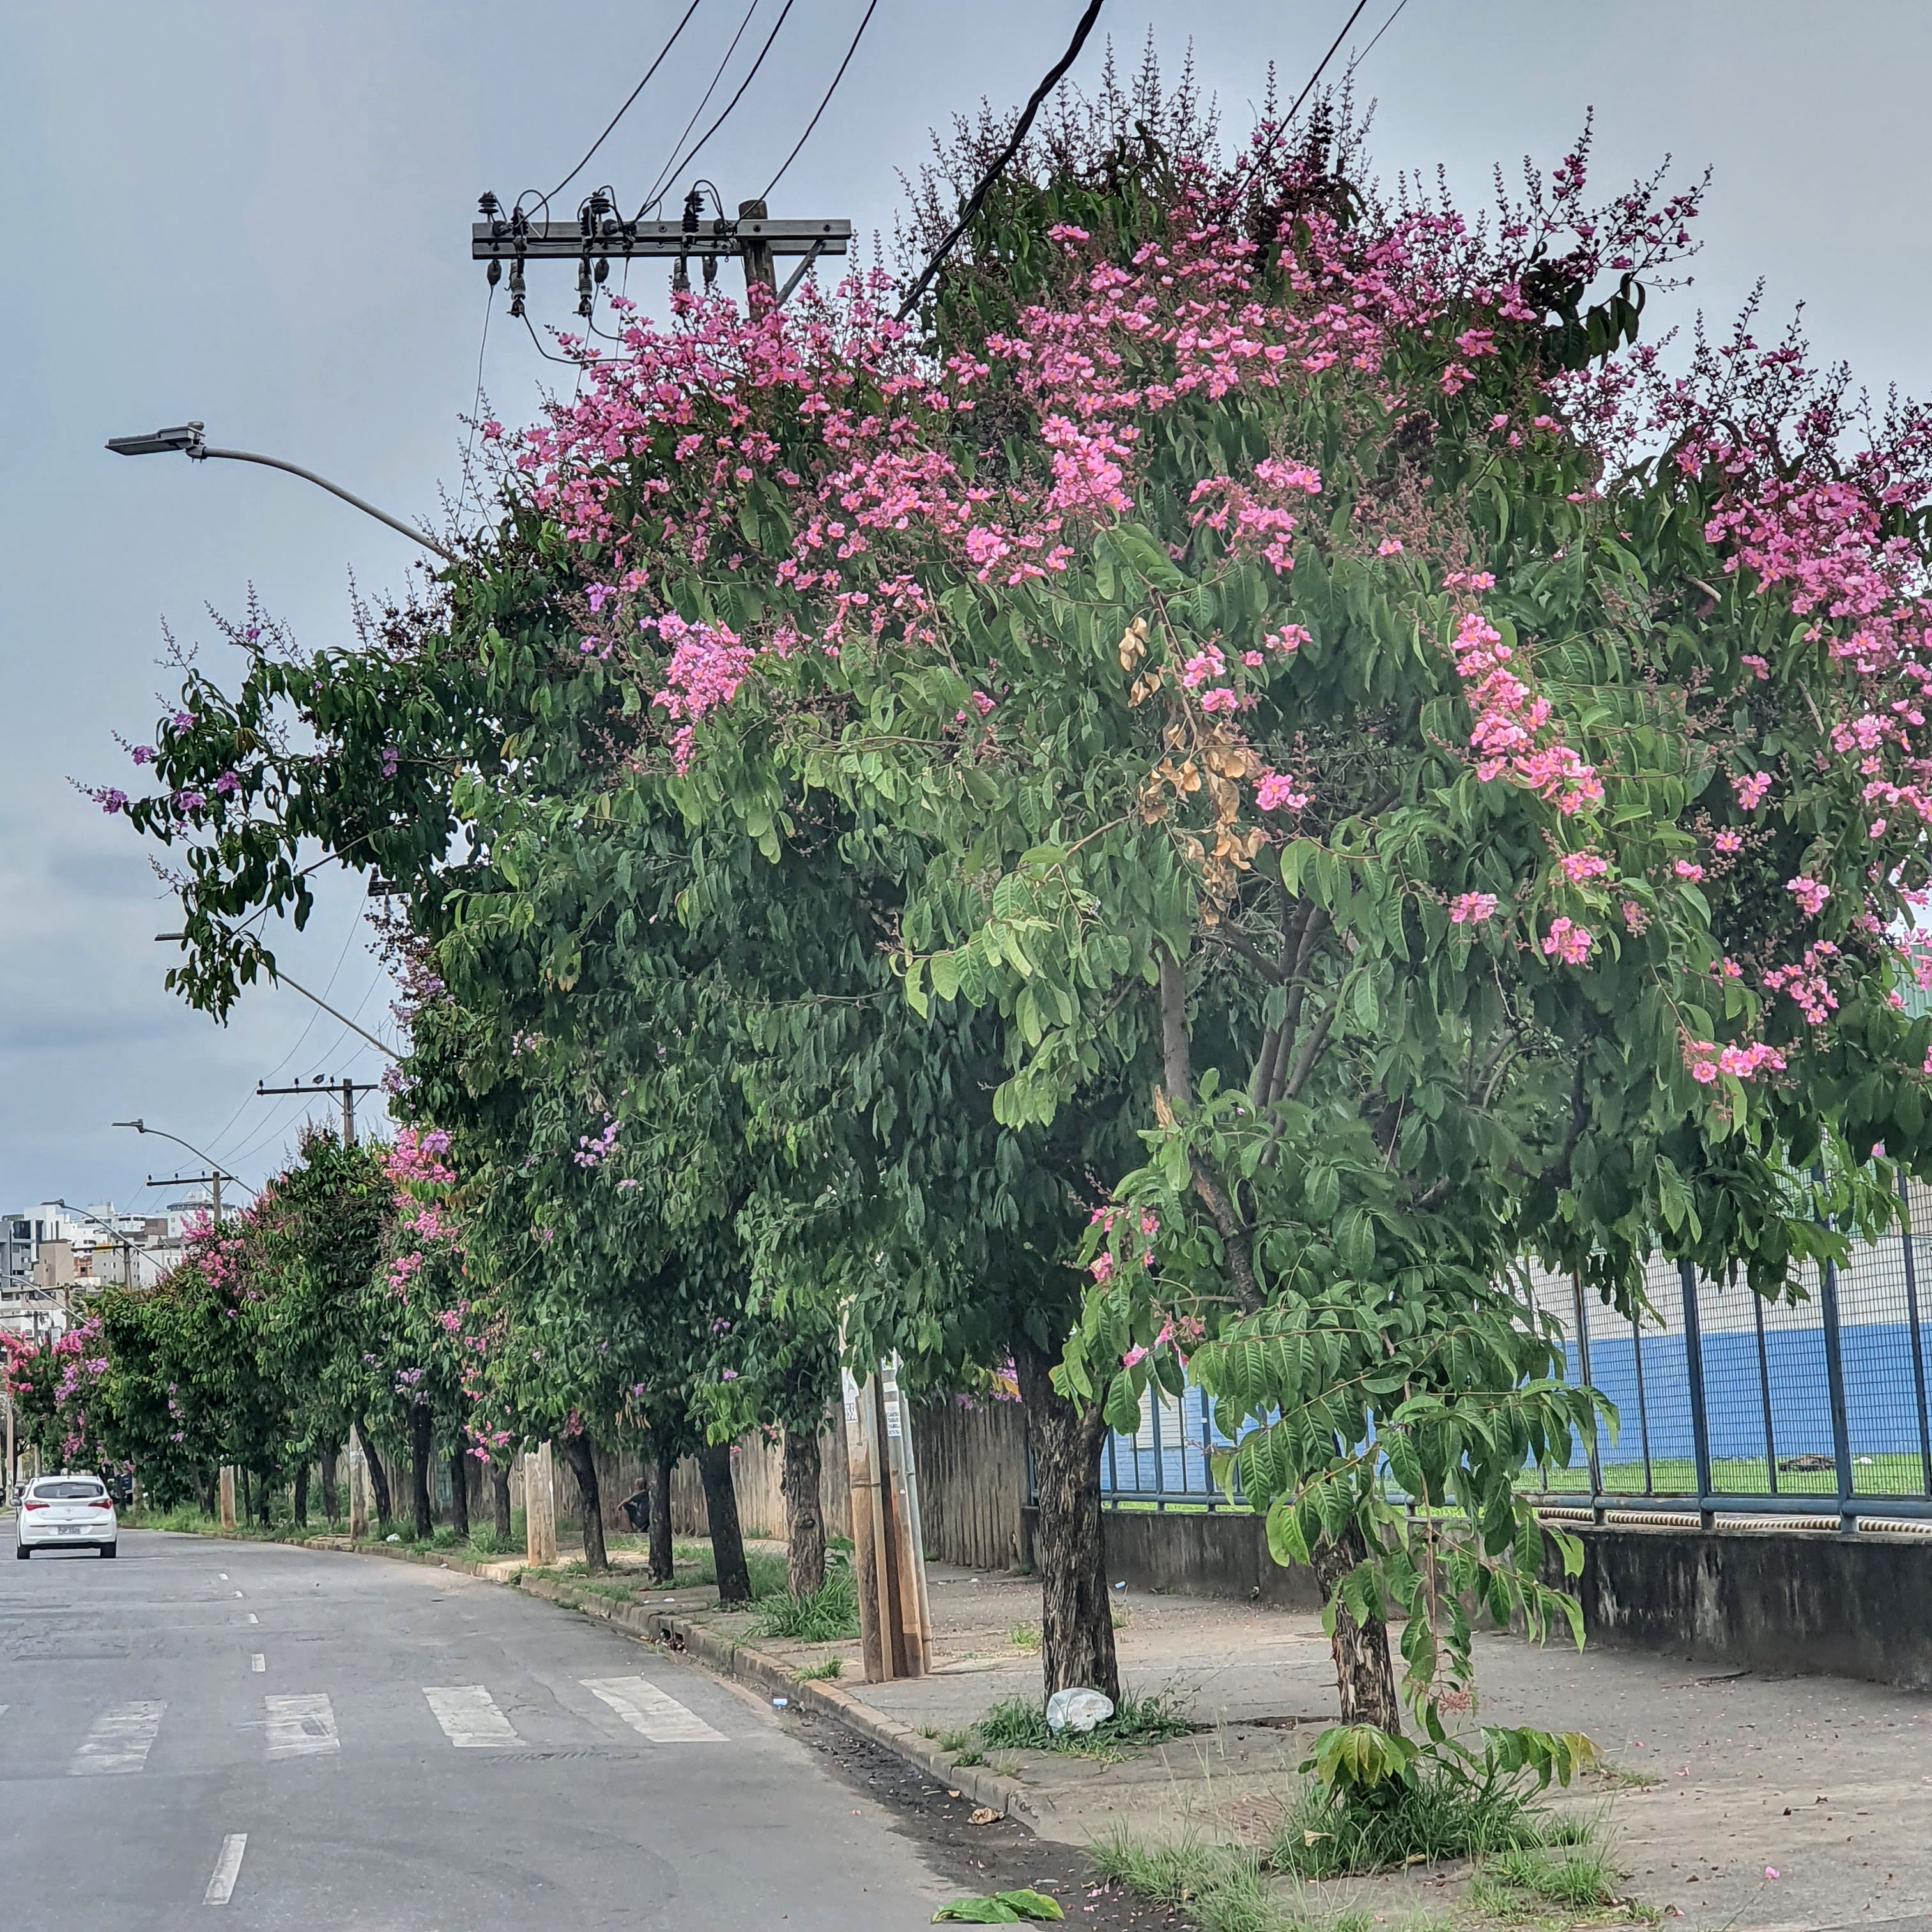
(126, 1246)
(281, 979)
(187, 439)
(215, 1175)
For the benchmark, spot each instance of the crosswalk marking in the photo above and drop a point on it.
(655, 1713)
(469, 1717)
(119, 1741)
(301, 1726)
(227, 1870)
(258, 1662)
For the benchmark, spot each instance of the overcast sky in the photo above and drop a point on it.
(258, 216)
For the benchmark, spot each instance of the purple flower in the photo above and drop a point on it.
(143, 754)
(183, 720)
(227, 782)
(189, 801)
(111, 800)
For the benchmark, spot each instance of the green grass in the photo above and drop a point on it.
(1025, 1637)
(767, 1571)
(1324, 1835)
(1019, 1724)
(819, 1672)
(827, 1614)
(484, 1541)
(1887, 1475)
(1524, 1883)
(1221, 1888)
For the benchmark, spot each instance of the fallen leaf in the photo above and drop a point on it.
(984, 1815)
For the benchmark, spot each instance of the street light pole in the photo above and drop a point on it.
(216, 1176)
(187, 438)
(127, 1246)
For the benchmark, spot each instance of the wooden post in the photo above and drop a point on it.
(909, 1542)
(760, 269)
(358, 1491)
(225, 1496)
(540, 1508)
(868, 1529)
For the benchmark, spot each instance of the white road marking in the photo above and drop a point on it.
(258, 1662)
(227, 1870)
(253, 1618)
(237, 1593)
(655, 1713)
(119, 1741)
(469, 1717)
(301, 1726)
(221, 1577)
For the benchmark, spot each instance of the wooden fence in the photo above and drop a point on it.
(972, 1484)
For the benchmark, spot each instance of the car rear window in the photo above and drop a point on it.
(65, 1493)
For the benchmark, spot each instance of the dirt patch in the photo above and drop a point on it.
(1000, 1856)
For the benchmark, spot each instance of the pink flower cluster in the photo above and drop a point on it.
(1274, 791)
(1511, 733)
(1706, 1060)
(1471, 908)
(1806, 983)
(1567, 941)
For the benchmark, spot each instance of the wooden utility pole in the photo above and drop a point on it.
(888, 1555)
(347, 1088)
(358, 1491)
(225, 1496)
(540, 1508)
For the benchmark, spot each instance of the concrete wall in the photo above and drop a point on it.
(1798, 1603)
(1201, 1553)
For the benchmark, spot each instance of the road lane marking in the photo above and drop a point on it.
(119, 1741)
(253, 1618)
(654, 1713)
(221, 1576)
(258, 1662)
(301, 1726)
(227, 1869)
(469, 1717)
(237, 1593)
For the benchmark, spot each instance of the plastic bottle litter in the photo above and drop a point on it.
(780, 1703)
(1077, 1710)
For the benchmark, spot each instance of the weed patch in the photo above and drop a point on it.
(1220, 1887)
(825, 1615)
(1019, 1724)
(820, 1673)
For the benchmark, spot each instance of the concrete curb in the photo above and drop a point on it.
(743, 1661)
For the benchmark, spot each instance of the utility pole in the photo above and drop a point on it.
(347, 1088)
(599, 236)
(211, 1181)
(888, 1549)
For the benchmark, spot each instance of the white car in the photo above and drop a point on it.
(71, 1511)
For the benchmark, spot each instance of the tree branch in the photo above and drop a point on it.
(1176, 1072)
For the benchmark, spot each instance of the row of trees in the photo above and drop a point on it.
(1255, 763)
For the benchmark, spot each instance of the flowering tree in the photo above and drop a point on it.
(1357, 776)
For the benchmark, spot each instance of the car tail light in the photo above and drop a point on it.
(27, 1506)
(100, 1502)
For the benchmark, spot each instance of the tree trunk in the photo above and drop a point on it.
(261, 1498)
(500, 1499)
(204, 1492)
(459, 1492)
(1076, 1618)
(246, 1501)
(330, 1450)
(421, 1424)
(378, 1477)
(805, 1520)
(728, 1539)
(301, 1494)
(583, 1460)
(663, 1460)
(1363, 1673)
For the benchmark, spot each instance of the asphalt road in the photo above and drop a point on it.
(211, 1735)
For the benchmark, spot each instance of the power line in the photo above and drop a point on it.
(872, 9)
(662, 53)
(692, 155)
(1287, 119)
(1379, 32)
(664, 178)
(1021, 128)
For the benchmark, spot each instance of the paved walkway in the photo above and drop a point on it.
(1712, 1779)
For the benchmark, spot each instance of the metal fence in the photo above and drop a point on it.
(1815, 1408)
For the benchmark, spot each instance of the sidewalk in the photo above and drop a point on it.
(1709, 1779)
